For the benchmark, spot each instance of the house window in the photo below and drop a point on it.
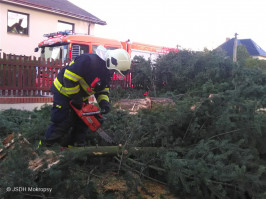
(17, 22)
(63, 26)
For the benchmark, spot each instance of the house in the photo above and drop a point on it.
(24, 22)
(253, 49)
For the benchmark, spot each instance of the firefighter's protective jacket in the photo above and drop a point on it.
(77, 79)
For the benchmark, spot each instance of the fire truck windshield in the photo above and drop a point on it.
(55, 52)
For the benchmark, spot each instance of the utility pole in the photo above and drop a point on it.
(235, 49)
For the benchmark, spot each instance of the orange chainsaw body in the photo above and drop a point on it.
(88, 114)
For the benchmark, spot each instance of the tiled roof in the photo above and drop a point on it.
(62, 7)
(252, 48)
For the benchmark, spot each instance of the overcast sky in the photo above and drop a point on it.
(192, 24)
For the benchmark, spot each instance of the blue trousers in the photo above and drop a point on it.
(66, 127)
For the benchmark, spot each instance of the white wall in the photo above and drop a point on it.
(39, 24)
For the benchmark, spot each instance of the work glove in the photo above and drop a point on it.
(77, 103)
(105, 109)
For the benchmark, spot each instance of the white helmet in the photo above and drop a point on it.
(118, 59)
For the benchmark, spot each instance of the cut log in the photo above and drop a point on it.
(50, 157)
(97, 151)
(53, 158)
(134, 105)
(161, 102)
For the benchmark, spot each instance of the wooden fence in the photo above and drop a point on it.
(27, 76)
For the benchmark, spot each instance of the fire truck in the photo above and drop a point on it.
(66, 46)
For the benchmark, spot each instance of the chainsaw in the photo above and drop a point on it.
(91, 116)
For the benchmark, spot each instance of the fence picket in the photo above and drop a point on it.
(19, 87)
(9, 66)
(4, 74)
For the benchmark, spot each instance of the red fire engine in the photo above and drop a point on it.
(66, 46)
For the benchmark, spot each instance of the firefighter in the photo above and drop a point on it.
(88, 74)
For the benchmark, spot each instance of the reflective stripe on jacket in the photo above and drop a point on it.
(75, 79)
(66, 91)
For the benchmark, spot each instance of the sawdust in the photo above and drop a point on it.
(155, 191)
(116, 184)
(110, 183)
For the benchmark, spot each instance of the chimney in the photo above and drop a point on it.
(227, 39)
